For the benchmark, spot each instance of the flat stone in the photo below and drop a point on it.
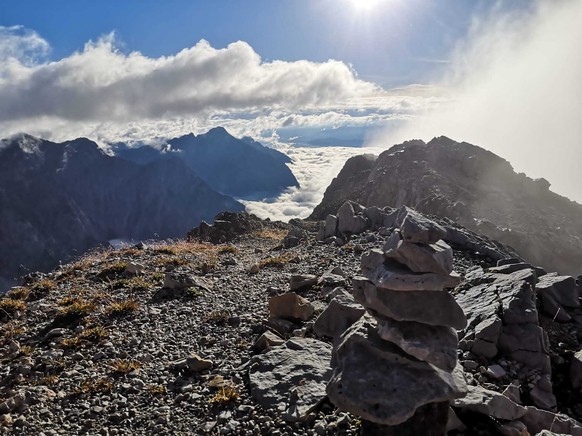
(291, 378)
(396, 277)
(377, 381)
(436, 345)
(290, 306)
(435, 258)
(509, 268)
(417, 228)
(496, 372)
(434, 308)
(491, 403)
(195, 363)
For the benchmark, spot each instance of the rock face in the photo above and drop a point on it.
(409, 343)
(291, 377)
(58, 200)
(471, 186)
(242, 168)
(503, 322)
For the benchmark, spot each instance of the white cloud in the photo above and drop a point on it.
(103, 84)
(516, 88)
(314, 169)
(20, 46)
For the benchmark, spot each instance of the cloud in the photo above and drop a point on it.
(21, 46)
(103, 84)
(515, 87)
(314, 169)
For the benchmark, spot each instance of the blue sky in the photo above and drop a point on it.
(394, 43)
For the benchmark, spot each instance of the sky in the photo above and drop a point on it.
(501, 74)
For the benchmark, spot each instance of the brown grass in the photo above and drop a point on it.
(9, 308)
(277, 261)
(217, 317)
(123, 307)
(74, 310)
(102, 385)
(226, 394)
(18, 293)
(272, 234)
(122, 366)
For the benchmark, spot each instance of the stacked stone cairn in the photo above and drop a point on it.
(397, 366)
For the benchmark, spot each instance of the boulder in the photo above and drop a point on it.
(434, 308)
(376, 380)
(339, 315)
(330, 226)
(417, 228)
(491, 403)
(291, 378)
(562, 289)
(290, 306)
(347, 220)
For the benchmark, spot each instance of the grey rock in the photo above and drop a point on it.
(434, 258)
(537, 420)
(195, 363)
(290, 306)
(268, 339)
(397, 277)
(369, 373)
(330, 226)
(436, 345)
(563, 289)
(417, 228)
(495, 372)
(340, 314)
(291, 378)
(576, 370)
(491, 403)
(300, 282)
(510, 268)
(348, 221)
(434, 308)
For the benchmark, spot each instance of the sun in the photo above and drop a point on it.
(365, 5)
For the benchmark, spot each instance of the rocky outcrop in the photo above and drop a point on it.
(408, 341)
(503, 323)
(471, 186)
(58, 200)
(226, 227)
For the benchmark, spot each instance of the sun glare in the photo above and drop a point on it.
(365, 5)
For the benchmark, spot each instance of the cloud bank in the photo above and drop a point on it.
(515, 87)
(103, 84)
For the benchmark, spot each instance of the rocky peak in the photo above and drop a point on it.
(473, 186)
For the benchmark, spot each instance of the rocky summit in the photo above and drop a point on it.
(373, 321)
(471, 186)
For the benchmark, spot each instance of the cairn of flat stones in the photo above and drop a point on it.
(397, 366)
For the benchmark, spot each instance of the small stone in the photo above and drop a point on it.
(195, 363)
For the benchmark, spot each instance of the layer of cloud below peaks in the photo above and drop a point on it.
(517, 88)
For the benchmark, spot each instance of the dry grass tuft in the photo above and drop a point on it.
(73, 310)
(18, 293)
(48, 380)
(102, 385)
(9, 308)
(122, 366)
(217, 317)
(277, 261)
(228, 249)
(272, 234)
(226, 394)
(157, 389)
(123, 307)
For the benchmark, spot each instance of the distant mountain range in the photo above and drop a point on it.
(241, 168)
(471, 186)
(60, 199)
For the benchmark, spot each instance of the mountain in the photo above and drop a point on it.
(58, 200)
(241, 168)
(470, 185)
(192, 337)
